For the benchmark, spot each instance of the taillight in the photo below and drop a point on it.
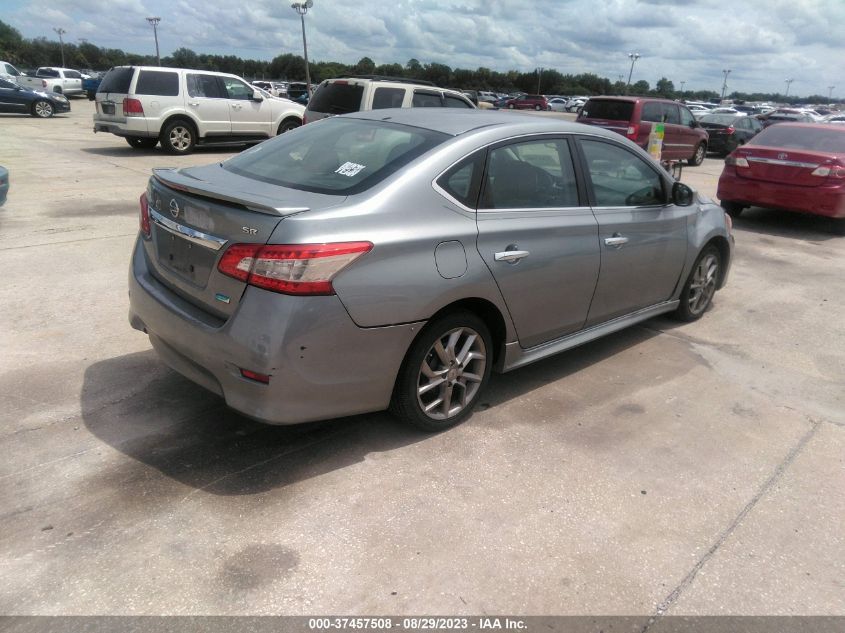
(293, 269)
(736, 161)
(132, 107)
(145, 215)
(829, 171)
(43, 83)
(730, 130)
(633, 132)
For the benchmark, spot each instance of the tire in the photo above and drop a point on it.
(538, 108)
(698, 156)
(178, 137)
(42, 109)
(428, 376)
(510, 106)
(138, 142)
(288, 124)
(57, 90)
(700, 286)
(838, 226)
(733, 209)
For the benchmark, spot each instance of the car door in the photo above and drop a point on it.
(643, 239)
(209, 103)
(249, 117)
(676, 139)
(13, 98)
(689, 128)
(71, 81)
(538, 236)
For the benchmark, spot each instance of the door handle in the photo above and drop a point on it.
(193, 103)
(617, 241)
(511, 257)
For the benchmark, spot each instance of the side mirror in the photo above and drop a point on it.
(256, 96)
(682, 195)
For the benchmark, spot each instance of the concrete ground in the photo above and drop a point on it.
(667, 469)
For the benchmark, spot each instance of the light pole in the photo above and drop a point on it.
(725, 82)
(302, 8)
(154, 21)
(539, 74)
(61, 32)
(830, 92)
(683, 83)
(634, 57)
(788, 83)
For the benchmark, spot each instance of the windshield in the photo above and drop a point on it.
(787, 136)
(335, 156)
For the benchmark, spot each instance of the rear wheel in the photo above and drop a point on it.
(510, 106)
(178, 137)
(698, 156)
(444, 372)
(700, 286)
(42, 109)
(733, 209)
(537, 107)
(141, 143)
(289, 124)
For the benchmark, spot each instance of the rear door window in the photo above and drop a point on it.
(72, 74)
(423, 99)
(670, 113)
(335, 98)
(388, 98)
(652, 111)
(207, 86)
(157, 83)
(463, 181)
(455, 102)
(117, 80)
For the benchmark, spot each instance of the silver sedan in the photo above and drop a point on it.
(394, 258)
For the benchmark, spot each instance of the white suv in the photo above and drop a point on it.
(353, 94)
(182, 108)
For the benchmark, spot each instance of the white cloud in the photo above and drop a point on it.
(684, 40)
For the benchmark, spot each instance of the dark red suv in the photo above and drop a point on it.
(528, 102)
(632, 117)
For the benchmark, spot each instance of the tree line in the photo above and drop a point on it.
(29, 53)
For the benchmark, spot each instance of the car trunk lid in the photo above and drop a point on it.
(791, 166)
(197, 213)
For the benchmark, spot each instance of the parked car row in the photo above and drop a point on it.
(64, 81)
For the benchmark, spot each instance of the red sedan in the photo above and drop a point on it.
(791, 166)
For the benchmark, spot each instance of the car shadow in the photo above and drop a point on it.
(815, 228)
(189, 435)
(117, 151)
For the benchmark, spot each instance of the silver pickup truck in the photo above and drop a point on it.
(49, 79)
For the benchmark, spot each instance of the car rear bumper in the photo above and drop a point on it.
(129, 126)
(823, 200)
(321, 365)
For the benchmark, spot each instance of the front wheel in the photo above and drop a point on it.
(698, 157)
(289, 124)
(141, 143)
(733, 209)
(444, 373)
(510, 106)
(700, 286)
(178, 137)
(42, 109)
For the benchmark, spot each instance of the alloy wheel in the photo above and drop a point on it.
(44, 109)
(180, 138)
(703, 285)
(451, 373)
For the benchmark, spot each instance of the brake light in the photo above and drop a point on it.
(145, 215)
(633, 132)
(730, 130)
(736, 161)
(832, 172)
(43, 83)
(254, 375)
(293, 269)
(132, 107)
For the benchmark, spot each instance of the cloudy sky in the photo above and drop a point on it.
(763, 42)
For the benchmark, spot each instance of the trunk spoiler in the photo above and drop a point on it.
(176, 179)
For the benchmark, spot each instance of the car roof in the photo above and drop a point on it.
(632, 99)
(457, 121)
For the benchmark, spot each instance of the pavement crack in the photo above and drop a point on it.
(81, 239)
(676, 593)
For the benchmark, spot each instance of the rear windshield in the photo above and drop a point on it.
(336, 98)
(335, 156)
(117, 80)
(158, 83)
(607, 109)
(806, 138)
(721, 119)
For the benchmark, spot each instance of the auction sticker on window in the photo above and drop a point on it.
(349, 169)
